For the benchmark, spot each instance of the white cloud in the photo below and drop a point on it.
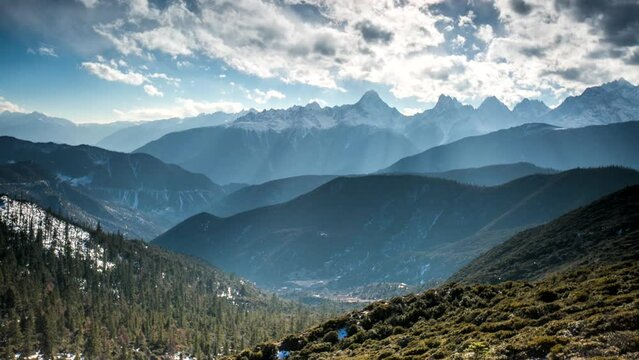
(400, 46)
(262, 97)
(110, 73)
(44, 51)
(182, 108)
(152, 90)
(411, 111)
(6, 105)
(485, 33)
(321, 102)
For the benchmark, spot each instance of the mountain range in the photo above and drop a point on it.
(353, 231)
(135, 193)
(368, 135)
(540, 144)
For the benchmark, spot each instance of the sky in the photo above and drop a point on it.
(120, 60)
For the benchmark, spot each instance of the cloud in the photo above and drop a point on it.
(110, 73)
(181, 109)
(520, 7)
(6, 105)
(617, 18)
(417, 49)
(408, 111)
(373, 33)
(262, 97)
(44, 51)
(152, 90)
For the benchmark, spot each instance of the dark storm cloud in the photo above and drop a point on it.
(520, 7)
(373, 33)
(619, 19)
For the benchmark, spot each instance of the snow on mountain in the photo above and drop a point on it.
(57, 235)
(369, 110)
(616, 101)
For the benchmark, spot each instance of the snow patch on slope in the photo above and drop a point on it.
(57, 235)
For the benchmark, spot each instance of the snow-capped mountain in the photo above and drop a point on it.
(369, 110)
(57, 235)
(612, 102)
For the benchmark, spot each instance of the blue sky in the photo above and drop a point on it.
(108, 60)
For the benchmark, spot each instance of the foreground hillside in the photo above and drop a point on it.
(355, 231)
(65, 290)
(604, 231)
(590, 309)
(585, 313)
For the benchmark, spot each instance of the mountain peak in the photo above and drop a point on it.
(491, 103)
(446, 102)
(371, 97)
(620, 83)
(529, 107)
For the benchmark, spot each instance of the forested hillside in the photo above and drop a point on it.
(64, 290)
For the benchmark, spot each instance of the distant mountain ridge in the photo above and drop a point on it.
(238, 155)
(540, 144)
(354, 231)
(139, 183)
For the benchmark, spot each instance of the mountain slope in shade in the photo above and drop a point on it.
(268, 193)
(540, 144)
(386, 228)
(616, 101)
(139, 183)
(68, 291)
(583, 304)
(42, 128)
(28, 180)
(605, 231)
(133, 137)
(232, 154)
(491, 175)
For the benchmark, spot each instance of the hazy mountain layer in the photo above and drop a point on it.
(604, 231)
(540, 144)
(388, 228)
(268, 193)
(136, 193)
(133, 137)
(231, 154)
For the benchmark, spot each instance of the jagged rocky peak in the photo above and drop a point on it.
(446, 102)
